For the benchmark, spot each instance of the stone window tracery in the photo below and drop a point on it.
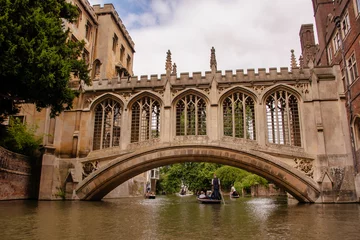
(107, 124)
(145, 122)
(282, 117)
(191, 116)
(239, 116)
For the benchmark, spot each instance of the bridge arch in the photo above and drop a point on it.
(105, 179)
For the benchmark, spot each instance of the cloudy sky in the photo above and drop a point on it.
(245, 33)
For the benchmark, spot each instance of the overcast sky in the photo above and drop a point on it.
(245, 33)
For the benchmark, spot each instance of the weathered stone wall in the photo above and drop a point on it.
(271, 190)
(16, 178)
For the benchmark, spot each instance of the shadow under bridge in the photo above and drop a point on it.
(122, 168)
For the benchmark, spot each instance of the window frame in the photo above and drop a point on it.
(345, 25)
(88, 29)
(283, 122)
(352, 69)
(336, 41)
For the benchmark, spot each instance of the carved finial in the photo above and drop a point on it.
(301, 62)
(293, 60)
(213, 64)
(174, 69)
(168, 61)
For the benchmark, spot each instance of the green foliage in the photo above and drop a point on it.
(36, 56)
(251, 180)
(197, 176)
(228, 175)
(21, 138)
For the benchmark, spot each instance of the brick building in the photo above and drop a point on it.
(338, 29)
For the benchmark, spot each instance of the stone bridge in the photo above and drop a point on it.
(287, 126)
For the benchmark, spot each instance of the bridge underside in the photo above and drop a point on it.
(105, 179)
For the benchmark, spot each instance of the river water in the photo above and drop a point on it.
(173, 217)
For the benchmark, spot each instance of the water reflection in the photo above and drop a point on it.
(172, 217)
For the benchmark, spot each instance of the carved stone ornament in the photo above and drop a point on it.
(126, 95)
(305, 166)
(191, 138)
(89, 167)
(221, 89)
(143, 144)
(259, 89)
(302, 87)
(337, 173)
(206, 90)
(161, 92)
(174, 92)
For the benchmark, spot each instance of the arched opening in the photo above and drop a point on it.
(282, 118)
(96, 69)
(190, 116)
(239, 116)
(99, 183)
(107, 124)
(145, 123)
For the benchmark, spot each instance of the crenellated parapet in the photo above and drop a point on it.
(90, 10)
(249, 77)
(109, 8)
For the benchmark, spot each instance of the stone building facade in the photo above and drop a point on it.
(288, 126)
(338, 31)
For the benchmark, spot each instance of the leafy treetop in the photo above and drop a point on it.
(36, 55)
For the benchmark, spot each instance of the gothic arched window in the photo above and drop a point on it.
(145, 122)
(282, 117)
(107, 124)
(191, 116)
(96, 69)
(239, 116)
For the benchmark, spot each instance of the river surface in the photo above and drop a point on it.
(173, 217)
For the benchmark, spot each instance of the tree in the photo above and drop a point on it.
(37, 56)
(21, 138)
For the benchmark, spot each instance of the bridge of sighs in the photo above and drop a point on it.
(288, 126)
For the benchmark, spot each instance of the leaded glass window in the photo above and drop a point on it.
(191, 116)
(239, 116)
(282, 115)
(145, 122)
(107, 124)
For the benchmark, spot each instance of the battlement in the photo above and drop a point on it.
(109, 8)
(199, 78)
(87, 6)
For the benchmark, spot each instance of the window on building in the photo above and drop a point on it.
(86, 56)
(336, 42)
(145, 123)
(107, 124)
(96, 69)
(191, 116)
(115, 42)
(128, 62)
(352, 69)
(88, 28)
(357, 135)
(78, 20)
(282, 116)
(122, 53)
(330, 54)
(345, 25)
(239, 116)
